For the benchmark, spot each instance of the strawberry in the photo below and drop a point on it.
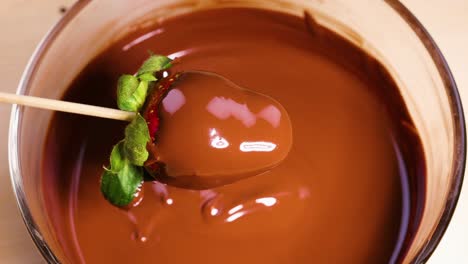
(151, 114)
(151, 109)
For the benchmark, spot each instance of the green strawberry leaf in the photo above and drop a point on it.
(117, 159)
(119, 188)
(120, 183)
(128, 91)
(154, 64)
(148, 77)
(136, 138)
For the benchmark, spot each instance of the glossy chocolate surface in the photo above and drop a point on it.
(213, 132)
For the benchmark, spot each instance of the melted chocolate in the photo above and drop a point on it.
(345, 192)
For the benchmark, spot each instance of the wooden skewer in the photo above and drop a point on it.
(68, 107)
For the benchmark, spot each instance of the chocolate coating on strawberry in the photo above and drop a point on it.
(207, 131)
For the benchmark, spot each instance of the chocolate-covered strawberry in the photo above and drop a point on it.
(194, 130)
(207, 132)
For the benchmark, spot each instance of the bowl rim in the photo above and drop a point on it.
(436, 55)
(458, 119)
(15, 119)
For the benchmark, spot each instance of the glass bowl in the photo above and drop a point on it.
(384, 29)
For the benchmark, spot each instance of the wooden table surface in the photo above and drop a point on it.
(26, 21)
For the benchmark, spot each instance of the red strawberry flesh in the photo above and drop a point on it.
(151, 109)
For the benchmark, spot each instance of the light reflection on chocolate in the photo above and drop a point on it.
(217, 208)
